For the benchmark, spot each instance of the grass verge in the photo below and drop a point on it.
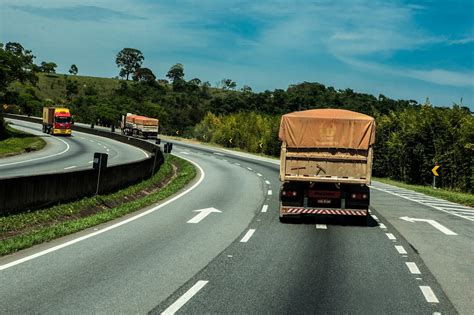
(24, 230)
(454, 196)
(20, 142)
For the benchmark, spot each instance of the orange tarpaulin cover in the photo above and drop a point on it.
(327, 128)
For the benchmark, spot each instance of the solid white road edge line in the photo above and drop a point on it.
(413, 268)
(247, 236)
(264, 208)
(43, 157)
(321, 226)
(69, 167)
(423, 203)
(401, 249)
(429, 294)
(173, 308)
(55, 248)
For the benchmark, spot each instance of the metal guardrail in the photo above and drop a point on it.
(20, 194)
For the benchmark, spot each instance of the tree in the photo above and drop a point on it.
(73, 70)
(16, 64)
(228, 84)
(72, 88)
(144, 74)
(129, 60)
(48, 67)
(246, 89)
(176, 75)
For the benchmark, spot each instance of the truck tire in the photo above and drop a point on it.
(285, 220)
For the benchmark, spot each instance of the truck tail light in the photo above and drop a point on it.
(289, 193)
(359, 196)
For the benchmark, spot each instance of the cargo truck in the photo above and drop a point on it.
(57, 121)
(325, 163)
(136, 125)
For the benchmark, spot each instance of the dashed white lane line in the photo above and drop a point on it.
(413, 268)
(217, 153)
(105, 147)
(264, 208)
(183, 152)
(237, 164)
(258, 174)
(69, 167)
(173, 308)
(390, 236)
(224, 160)
(249, 168)
(382, 226)
(429, 294)
(108, 150)
(267, 182)
(400, 249)
(375, 217)
(270, 192)
(321, 226)
(247, 236)
(90, 162)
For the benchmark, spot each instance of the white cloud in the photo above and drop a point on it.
(461, 41)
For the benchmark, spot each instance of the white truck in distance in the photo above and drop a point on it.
(136, 125)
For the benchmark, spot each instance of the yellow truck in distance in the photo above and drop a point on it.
(57, 121)
(325, 163)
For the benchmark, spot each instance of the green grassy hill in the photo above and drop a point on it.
(53, 86)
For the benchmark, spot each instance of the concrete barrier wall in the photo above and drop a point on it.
(18, 194)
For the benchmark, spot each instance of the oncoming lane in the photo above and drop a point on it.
(65, 153)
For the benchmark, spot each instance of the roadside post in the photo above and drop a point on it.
(435, 174)
(99, 163)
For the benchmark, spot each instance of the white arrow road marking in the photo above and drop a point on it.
(173, 308)
(202, 214)
(433, 223)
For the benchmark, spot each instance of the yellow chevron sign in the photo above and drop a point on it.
(435, 173)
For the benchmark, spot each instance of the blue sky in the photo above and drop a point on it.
(402, 49)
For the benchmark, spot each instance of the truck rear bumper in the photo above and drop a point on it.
(319, 211)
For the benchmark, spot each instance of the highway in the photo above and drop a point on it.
(63, 154)
(234, 256)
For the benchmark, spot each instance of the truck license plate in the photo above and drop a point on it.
(325, 201)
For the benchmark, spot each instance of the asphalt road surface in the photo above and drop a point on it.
(63, 154)
(172, 258)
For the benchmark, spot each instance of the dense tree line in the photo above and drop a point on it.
(411, 138)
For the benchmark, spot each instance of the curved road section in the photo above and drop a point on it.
(62, 154)
(220, 248)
